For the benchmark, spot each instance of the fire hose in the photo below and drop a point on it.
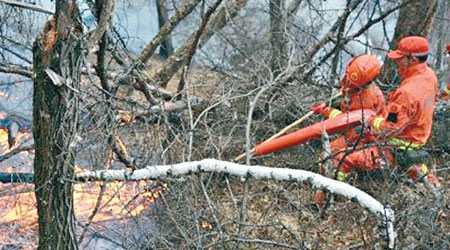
(332, 126)
(292, 125)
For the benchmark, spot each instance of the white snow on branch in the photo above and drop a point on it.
(256, 172)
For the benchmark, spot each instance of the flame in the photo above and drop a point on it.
(3, 140)
(4, 145)
(21, 207)
(119, 202)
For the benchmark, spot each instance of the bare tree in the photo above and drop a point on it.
(166, 48)
(277, 35)
(57, 53)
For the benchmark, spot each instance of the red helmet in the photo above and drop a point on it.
(448, 48)
(361, 71)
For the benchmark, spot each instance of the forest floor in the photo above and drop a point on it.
(277, 211)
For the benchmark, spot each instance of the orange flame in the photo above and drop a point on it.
(118, 202)
(3, 140)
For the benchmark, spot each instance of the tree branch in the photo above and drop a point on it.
(292, 11)
(166, 29)
(16, 177)
(27, 6)
(256, 172)
(220, 20)
(325, 39)
(11, 69)
(239, 170)
(345, 40)
(193, 47)
(104, 15)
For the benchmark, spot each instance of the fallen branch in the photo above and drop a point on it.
(239, 170)
(150, 113)
(256, 172)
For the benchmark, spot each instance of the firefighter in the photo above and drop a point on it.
(445, 93)
(360, 92)
(405, 127)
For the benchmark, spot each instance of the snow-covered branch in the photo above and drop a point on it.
(256, 172)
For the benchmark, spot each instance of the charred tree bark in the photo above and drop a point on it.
(56, 68)
(415, 18)
(166, 48)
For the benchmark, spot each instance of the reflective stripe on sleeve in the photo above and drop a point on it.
(404, 145)
(424, 169)
(447, 90)
(334, 113)
(341, 176)
(377, 123)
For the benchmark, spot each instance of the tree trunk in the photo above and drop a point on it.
(277, 36)
(166, 48)
(415, 18)
(439, 33)
(56, 68)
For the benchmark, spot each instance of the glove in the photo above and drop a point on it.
(318, 108)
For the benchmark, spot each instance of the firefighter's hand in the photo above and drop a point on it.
(318, 108)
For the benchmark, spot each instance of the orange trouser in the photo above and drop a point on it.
(366, 159)
(338, 144)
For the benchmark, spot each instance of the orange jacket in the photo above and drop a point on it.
(369, 98)
(409, 116)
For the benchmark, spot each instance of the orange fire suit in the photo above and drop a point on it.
(405, 125)
(370, 97)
